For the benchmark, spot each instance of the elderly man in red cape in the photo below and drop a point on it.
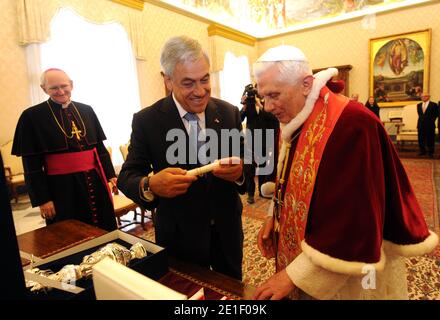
(344, 214)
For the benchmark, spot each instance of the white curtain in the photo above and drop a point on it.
(233, 78)
(33, 57)
(34, 17)
(100, 61)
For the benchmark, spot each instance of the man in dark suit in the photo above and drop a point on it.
(197, 218)
(258, 119)
(428, 113)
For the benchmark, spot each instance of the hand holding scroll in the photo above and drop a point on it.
(229, 169)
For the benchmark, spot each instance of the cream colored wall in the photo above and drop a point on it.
(218, 47)
(159, 23)
(347, 43)
(14, 95)
(338, 44)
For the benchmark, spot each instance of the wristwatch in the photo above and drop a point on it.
(147, 194)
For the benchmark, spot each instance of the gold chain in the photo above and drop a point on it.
(286, 159)
(61, 127)
(279, 187)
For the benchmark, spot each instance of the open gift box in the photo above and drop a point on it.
(154, 266)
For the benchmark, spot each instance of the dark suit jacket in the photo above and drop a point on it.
(426, 120)
(183, 223)
(13, 287)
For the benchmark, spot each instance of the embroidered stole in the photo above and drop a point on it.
(301, 180)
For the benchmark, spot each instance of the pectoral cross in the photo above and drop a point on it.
(75, 131)
(277, 208)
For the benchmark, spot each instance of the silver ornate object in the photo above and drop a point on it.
(70, 273)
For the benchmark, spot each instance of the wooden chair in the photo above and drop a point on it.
(124, 150)
(124, 205)
(408, 128)
(14, 171)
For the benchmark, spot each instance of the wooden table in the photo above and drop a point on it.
(60, 236)
(46, 241)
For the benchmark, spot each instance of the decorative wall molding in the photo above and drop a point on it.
(135, 4)
(215, 29)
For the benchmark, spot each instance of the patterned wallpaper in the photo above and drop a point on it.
(338, 44)
(159, 23)
(14, 95)
(222, 45)
(347, 43)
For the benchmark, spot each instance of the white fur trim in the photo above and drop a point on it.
(341, 266)
(319, 81)
(411, 250)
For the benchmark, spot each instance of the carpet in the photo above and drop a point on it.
(423, 273)
(256, 268)
(421, 174)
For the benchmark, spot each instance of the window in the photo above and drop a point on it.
(234, 77)
(100, 61)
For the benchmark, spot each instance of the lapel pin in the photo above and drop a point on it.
(216, 120)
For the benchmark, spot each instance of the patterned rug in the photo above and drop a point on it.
(423, 272)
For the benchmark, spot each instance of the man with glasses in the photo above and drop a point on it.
(344, 213)
(67, 167)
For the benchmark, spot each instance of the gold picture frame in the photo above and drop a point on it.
(399, 67)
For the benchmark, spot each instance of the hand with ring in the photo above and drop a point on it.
(47, 210)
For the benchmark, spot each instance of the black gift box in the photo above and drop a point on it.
(154, 265)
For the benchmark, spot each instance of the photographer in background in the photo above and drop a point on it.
(257, 118)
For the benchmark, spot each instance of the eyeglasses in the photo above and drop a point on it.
(63, 87)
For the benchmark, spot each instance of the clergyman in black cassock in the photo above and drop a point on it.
(64, 158)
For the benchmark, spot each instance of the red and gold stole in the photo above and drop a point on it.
(294, 207)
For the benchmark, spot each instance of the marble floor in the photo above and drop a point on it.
(26, 218)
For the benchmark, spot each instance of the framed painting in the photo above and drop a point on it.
(399, 67)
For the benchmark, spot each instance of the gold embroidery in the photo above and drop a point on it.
(302, 177)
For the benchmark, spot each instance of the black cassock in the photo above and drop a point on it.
(79, 195)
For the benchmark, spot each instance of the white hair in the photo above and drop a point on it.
(180, 49)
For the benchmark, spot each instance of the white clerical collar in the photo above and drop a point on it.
(63, 105)
(319, 81)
